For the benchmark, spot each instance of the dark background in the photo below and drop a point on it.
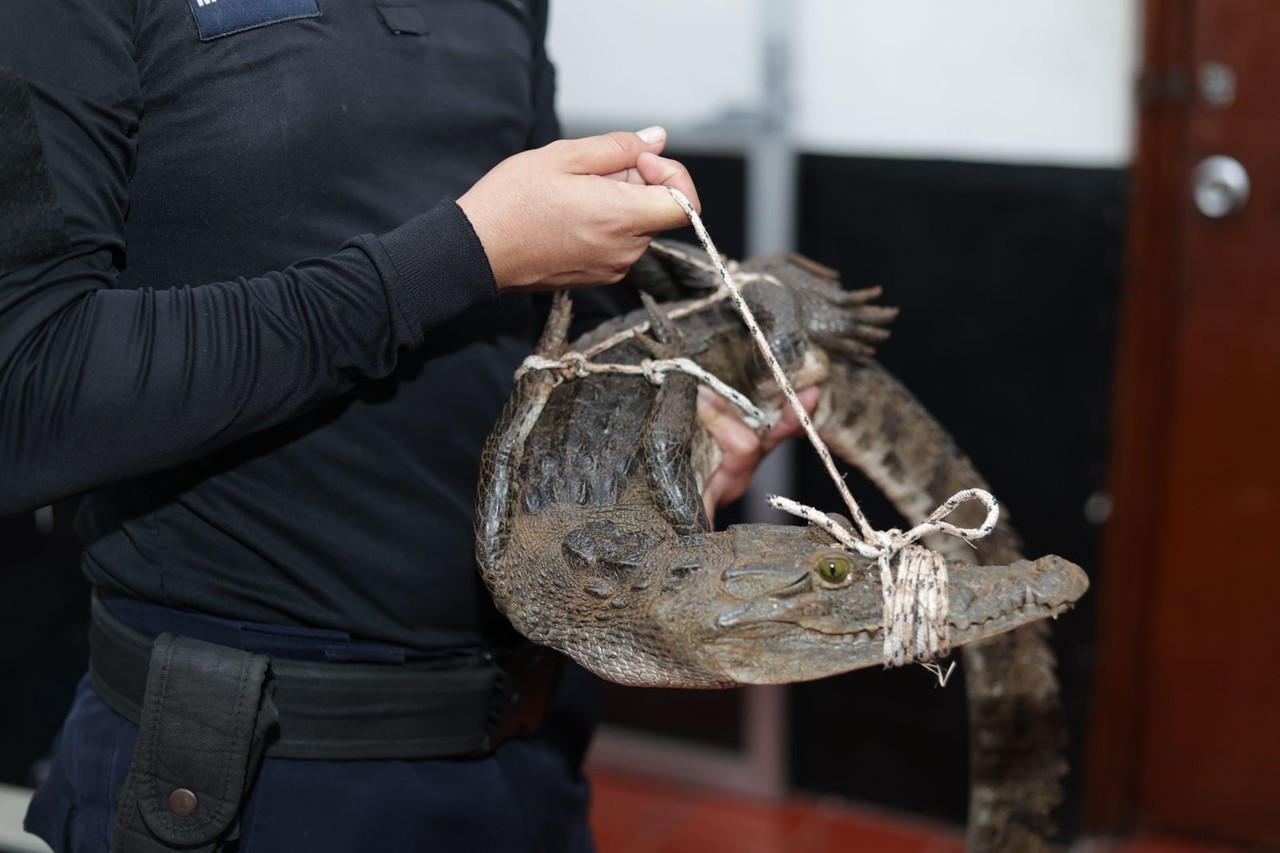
(1008, 278)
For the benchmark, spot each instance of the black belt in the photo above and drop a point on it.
(337, 711)
(208, 713)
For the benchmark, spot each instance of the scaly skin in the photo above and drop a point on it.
(1015, 718)
(592, 537)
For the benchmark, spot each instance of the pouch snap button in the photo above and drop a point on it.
(183, 802)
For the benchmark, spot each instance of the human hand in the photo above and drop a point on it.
(576, 212)
(743, 447)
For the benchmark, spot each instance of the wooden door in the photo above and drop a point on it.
(1187, 730)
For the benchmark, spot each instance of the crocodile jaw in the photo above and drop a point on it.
(805, 630)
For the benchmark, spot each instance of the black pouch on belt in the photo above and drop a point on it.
(204, 721)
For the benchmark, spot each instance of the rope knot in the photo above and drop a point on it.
(654, 371)
(888, 542)
(575, 365)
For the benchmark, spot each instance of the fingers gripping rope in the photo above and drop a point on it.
(916, 602)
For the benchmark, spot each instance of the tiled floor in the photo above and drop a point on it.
(636, 815)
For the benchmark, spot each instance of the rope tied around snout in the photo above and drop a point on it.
(915, 596)
(916, 599)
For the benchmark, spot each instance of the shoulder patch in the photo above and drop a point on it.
(217, 18)
(31, 223)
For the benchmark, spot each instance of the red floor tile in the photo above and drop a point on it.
(633, 815)
(841, 827)
(637, 815)
(1160, 843)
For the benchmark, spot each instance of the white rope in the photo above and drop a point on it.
(915, 599)
(577, 365)
(741, 277)
(644, 325)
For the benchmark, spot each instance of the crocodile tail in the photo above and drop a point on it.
(1016, 731)
(1016, 741)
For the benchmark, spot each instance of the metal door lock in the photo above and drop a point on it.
(1220, 186)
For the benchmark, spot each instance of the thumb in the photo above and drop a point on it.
(660, 171)
(611, 152)
(652, 209)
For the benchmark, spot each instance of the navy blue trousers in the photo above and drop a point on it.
(528, 797)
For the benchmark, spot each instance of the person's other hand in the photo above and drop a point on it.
(576, 212)
(743, 447)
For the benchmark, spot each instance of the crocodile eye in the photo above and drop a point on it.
(834, 569)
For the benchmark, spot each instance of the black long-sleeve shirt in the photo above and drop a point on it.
(276, 414)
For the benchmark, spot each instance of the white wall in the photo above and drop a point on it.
(642, 62)
(1038, 81)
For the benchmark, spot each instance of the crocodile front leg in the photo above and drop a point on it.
(497, 500)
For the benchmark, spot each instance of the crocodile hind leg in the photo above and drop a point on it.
(1016, 731)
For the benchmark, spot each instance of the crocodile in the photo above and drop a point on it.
(593, 539)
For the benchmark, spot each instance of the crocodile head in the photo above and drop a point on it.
(784, 605)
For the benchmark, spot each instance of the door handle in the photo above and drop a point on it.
(1220, 186)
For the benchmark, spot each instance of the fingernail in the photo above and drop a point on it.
(650, 135)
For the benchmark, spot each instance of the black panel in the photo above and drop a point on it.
(709, 718)
(1007, 277)
(721, 182)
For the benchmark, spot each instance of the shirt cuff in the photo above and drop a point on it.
(441, 270)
